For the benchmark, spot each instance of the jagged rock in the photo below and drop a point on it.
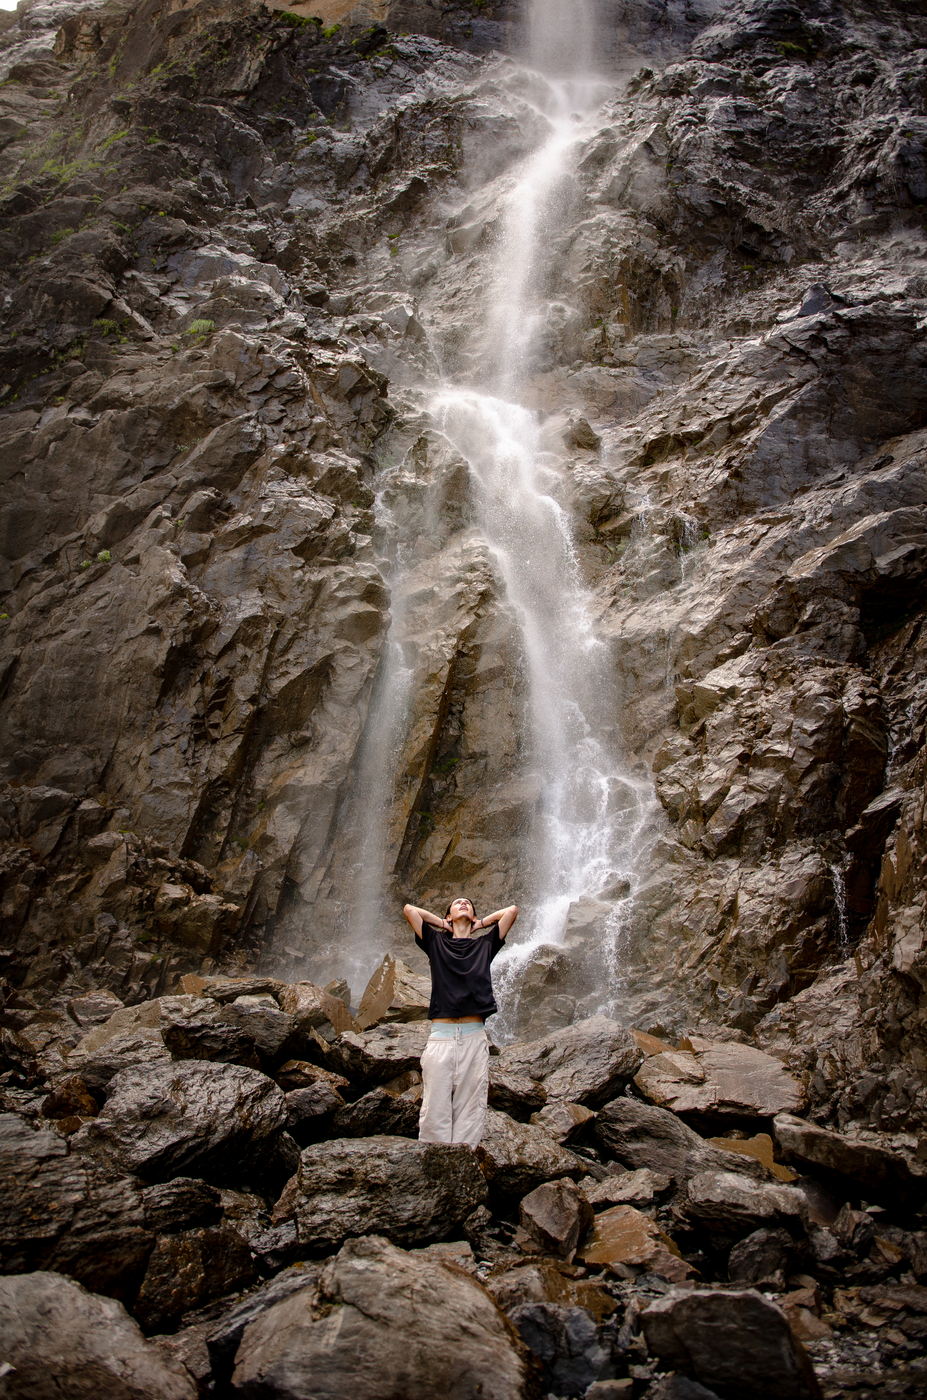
(408, 1191)
(300, 1074)
(312, 1008)
(719, 1077)
(181, 1204)
(69, 1097)
(876, 1167)
(379, 1112)
(624, 1235)
(515, 1094)
(394, 993)
(141, 1048)
(264, 1022)
(728, 1201)
(219, 1120)
(627, 1188)
(545, 1281)
(762, 1258)
(564, 1121)
(673, 1387)
(735, 1343)
(585, 1063)
(189, 1269)
(223, 1338)
(380, 1054)
(641, 1135)
(93, 1008)
(517, 1157)
(306, 1107)
(395, 1322)
(61, 1340)
(565, 1342)
(211, 1036)
(553, 1217)
(58, 1211)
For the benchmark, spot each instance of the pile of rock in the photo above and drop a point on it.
(221, 1191)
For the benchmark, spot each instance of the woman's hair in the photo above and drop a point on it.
(447, 912)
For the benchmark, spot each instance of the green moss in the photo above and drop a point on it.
(331, 31)
(62, 234)
(111, 140)
(104, 557)
(201, 328)
(298, 21)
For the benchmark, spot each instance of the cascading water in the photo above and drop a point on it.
(592, 817)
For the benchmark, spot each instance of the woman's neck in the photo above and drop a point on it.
(462, 927)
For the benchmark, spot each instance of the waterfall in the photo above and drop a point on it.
(593, 816)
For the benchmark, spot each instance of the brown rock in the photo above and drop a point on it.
(394, 993)
(564, 1121)
(69, 1097)
(627, 1188)
(719, 1077)
(759, 1146)
(315, 1009)
(188, 1270)
(300, 1074)
(379, 1111)
(732, 1202)
(642, 1135)
(584, 1063)
(553, 1217)
(624, 1235)
(514, 1094)
(378, 1055)
(876, 1167)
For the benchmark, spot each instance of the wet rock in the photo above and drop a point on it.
(260, 1018)
(61, 1340)
(379, 1054)
(58, 1211)
(314, 1009)
(642, 1135)
(394, 993)
(762, 1258)
(514, 1094)
(223, 1338)
(171, 1120)
(676, 1388)
(379, 1112)
(181, 1204)
(69, 1097)
(565, 1342)
(211, 1035)
(735, 1343)
(564, 1121)
(624, 1235)
(546, 1281)
(311, 1107)
(553, 1217)
(719, 1077)
(876, 1167)
(300, 1074)
(142, 1048)
(93, 1008)
(408, 1191)
(626, 1188)
(517, 1157)
(584, 1063)
(396, 1323)
(189, 1269)
(729, 1201)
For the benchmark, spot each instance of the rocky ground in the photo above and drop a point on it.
(221, 1192)
(237, 248)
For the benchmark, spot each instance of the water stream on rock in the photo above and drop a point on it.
(592, 816)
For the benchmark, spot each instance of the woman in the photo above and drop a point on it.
(455, 1065)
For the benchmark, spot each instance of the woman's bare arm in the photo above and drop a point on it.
(505, 918)
(417, 917)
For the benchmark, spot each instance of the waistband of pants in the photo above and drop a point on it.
(455, 1032)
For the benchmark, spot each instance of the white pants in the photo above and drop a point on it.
(455, 1082)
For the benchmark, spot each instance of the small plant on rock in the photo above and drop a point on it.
(201, 329)
(105, 557)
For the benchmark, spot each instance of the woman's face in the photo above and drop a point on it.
(461, 908)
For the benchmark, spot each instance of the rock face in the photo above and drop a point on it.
(60, 1340)
(396, 1323)
(723, 1078)
(409, 1191)
(585, 1063)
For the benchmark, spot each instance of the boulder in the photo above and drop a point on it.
(736, 1343)
(394, 993)
(517, 1157)
(514, 1094)
(181, 1204)
(535, 1280)
(262, 1020)
(59, 1340)
(586, 1063)
(377, 1112)
(641, 1135)
(731, 1202)
(627, 1188)
(763, 1258)
(565, 1342)
(409, 1191)
(314, 1009)
(307, 1109)
(386, 1323)
(876, 1167)
(719, 1077)
(624, 1235)
(211, 1035)
(225, 989)
(142, 1047)
(300, 1074)
(564, 1121)
(377, 1055)
(223, 1338)
(188, 1270)
(553, 1218)
(93, 1008)
(216, 1121)
(58, 1211)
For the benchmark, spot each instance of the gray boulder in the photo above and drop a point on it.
(553, 1217)
(188, 1270)
(585, 1063)
(762, 1258)
(377, 1055)
(641, 1135)
(736, 1343)
(732, 1202)
(382, 1323)
(64, 1343)
(517, 1157)
(410, 1191)
(379, 1112)
(565, 1342)
(222, 1340)
(210, 1120)
(514, 1094)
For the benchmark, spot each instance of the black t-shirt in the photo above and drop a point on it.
(461, 984)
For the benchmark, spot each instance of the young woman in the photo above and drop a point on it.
(455, 1065)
